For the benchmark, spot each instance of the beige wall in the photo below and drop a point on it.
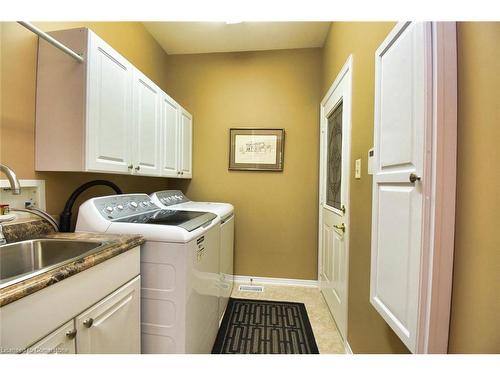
(276, 212)
(18, 82)
(475, 326)
(475, 315)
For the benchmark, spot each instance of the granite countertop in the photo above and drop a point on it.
(34, 228)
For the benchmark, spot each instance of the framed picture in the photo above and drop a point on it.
(256, 149)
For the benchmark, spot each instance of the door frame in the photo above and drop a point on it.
(345, 73)
(438, 227)
(440, 221)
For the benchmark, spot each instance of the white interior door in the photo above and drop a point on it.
(334, 196)
(402, 92)
(109, 109)
(147, 125)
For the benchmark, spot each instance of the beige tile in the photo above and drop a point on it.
(323, 325)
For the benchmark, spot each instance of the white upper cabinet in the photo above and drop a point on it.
(147, 125)
(104, 115)
(109, 108)
(170, 135)
(186, 143)
(177, 125)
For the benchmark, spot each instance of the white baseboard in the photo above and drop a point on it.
(348, 349)
(275, 281)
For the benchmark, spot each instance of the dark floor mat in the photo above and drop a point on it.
(265, 327)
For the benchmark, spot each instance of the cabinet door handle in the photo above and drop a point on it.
(88, 322)
(130, 166)
(138, 168)
(71, 334)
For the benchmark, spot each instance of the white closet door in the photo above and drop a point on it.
(147, 124)
(109, 108)
(402, 93)
(186, 143)
(170, 137)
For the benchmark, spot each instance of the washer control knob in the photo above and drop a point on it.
(109, 209)
(133, 204)
(120, 207)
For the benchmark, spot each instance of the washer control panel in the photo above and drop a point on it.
(119, 206)
(170, 197)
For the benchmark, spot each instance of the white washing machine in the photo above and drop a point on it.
(175, 200)
(179, 268)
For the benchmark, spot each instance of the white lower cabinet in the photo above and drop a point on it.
(112, 325)
(61, 341)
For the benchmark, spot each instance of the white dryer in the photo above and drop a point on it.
(179, 268)
(176, 200)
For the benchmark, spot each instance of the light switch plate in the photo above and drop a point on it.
(357, 169)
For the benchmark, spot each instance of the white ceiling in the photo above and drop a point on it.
(205, 37)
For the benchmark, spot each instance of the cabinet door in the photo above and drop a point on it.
(186, 143)
(61, 341)
(113, 324)
(170, 133)
(109, 108)
(146, 126)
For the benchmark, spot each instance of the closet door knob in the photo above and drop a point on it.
(414, 178)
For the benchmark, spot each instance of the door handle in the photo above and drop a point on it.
(340, 227)
(414, 178)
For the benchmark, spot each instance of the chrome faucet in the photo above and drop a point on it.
(15, 186)
(39, 213)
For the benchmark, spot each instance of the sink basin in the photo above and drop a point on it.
(22, 260)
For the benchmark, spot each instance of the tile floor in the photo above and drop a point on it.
(324, 328)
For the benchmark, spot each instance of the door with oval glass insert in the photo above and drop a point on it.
(334, 196)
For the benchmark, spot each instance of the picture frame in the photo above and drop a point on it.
(256, 149)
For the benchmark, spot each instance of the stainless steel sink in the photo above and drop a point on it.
(22, 260)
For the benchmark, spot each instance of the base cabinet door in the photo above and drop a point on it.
(113, 324)
(61, 341)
